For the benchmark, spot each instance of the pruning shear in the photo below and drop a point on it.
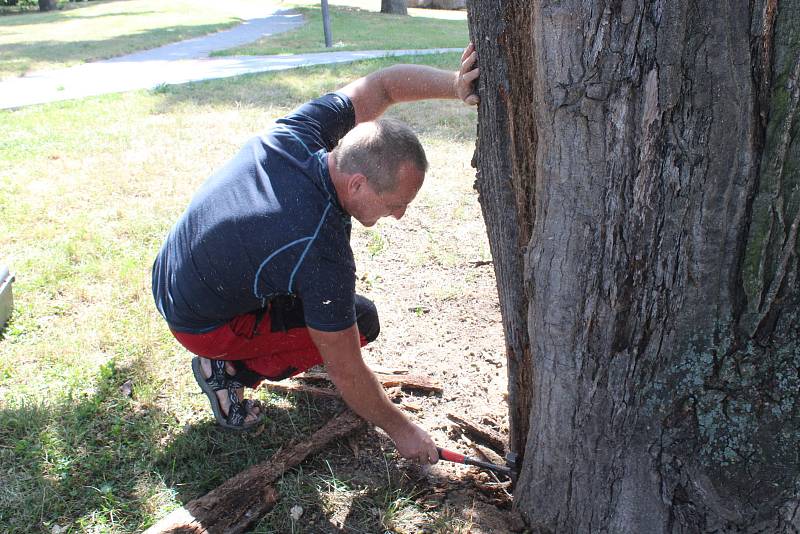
(509, 470)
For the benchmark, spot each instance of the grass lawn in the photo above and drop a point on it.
(98, 30)
(88, 190)
(356, 28)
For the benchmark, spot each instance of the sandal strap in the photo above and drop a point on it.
(219, 378)
(237, 412)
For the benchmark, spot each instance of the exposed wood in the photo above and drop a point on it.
(405, 381)
(487, 436)
(506, 135)
(238, 503)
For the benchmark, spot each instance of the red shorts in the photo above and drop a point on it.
(249, 338)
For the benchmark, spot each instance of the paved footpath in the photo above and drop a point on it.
(181, 62)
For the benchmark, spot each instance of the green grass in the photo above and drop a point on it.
(98, 30)
(88, 190)
(359, 29)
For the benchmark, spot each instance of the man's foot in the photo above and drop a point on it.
(217, 380)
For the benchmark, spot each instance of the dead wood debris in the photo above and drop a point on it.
(486, 454)
(325, 393)
(495, 492)
(487, 436)
(239, 502)
(317, 392)
(388, 380)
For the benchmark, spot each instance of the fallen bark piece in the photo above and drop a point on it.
(487, 436)
(388, 380)
(411, 406)
(239, 502)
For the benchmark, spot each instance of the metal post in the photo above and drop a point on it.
(326, 24)
(6, 299)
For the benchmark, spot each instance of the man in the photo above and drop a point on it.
(257, 278)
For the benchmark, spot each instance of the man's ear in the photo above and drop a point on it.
(356, 182)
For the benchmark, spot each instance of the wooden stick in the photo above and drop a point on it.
(489, 437)
(239, 502)
(321, 393)
(405, 381)
(325, 393)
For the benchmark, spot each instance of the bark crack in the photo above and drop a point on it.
(789, 244)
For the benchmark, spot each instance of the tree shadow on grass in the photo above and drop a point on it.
(354, 485)
(79, 461)
(14, 18)
(103, 460)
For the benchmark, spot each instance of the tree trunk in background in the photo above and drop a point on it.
(48, 5)
(397, 7)
(639, 174)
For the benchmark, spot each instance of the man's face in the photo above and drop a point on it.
(369, 206)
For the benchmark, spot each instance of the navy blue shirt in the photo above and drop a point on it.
(267, 223)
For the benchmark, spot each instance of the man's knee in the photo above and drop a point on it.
(367, 320)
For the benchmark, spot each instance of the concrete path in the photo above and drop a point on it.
(182, 62)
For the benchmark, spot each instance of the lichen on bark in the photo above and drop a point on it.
(732, 408)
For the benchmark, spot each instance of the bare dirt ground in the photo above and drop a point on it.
(431, 277)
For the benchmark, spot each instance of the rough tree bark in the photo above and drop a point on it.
(639, 173)
(397, 7)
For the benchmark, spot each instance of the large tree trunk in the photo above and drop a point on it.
(397, 7)
(48, 5)
(638, 172)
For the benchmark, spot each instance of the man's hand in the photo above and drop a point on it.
(466, 76)
(415, 444)
(364, 395)
(372, 94)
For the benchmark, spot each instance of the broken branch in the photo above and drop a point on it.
(239, 502)
(388, 380)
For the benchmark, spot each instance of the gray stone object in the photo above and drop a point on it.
(6, 299)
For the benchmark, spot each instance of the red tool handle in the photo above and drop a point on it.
(451, 456)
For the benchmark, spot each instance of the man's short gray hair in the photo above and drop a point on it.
(377, 150)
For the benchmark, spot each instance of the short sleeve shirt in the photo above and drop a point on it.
(268, 223)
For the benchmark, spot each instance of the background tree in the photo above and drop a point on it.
(638, 169)
(398, 7)
(48, 5)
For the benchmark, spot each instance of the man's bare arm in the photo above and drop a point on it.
(372, 94)
(362, 392)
